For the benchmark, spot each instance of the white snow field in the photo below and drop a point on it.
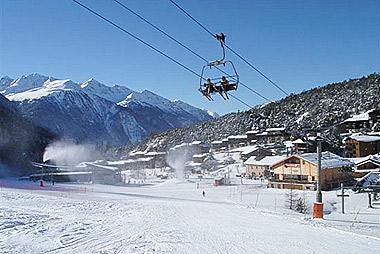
(174, 217)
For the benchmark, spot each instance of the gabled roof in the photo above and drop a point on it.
(275, 129)
(266, 161)
(365, 138)
(328, 160)
(299, 141)
(372, 178)
(237, 137)
(359, 117)
(374, 159)
(244, 149)
(253, 132)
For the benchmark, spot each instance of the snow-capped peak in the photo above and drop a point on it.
(4, 83)
(26, 82)
(91, 83)
(114, 94)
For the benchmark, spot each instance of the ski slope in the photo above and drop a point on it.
(171, 217)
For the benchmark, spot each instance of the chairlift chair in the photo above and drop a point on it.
(223, 84)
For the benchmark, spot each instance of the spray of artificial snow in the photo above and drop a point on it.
(176, 159)
(67, 153)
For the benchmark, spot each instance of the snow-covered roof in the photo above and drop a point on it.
(275, 129)
(288, 143)
(197, 142)
(299, 141)
(253, 132)
(63, 173)
(244, 149)
(155, 153)
(328, 160)
(375, 159)
(217, 142)
(365, 138)
(237, 137)
(203, 155)
(360, 117)
(225, 140)
(266, 161)
(102, 166)
(265, 133)
(133, 153)
(129, 161)
(372, 178)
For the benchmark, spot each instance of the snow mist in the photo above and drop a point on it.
(67, 153)
(176, 159)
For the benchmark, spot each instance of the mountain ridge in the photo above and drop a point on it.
(92, 111)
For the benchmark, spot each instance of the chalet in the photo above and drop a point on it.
(75, 176)
(364, 165)
(362, 145)
(261, 166)
(272, 136)
(199, 147)
(252, 136)
(136, 154)
(225, 143)
(236, 141)
(360, 122)
(199, 158)
(217, 146)
(247, 151)
(374, 116)
(133, 164)
(300, 171)
(301, 146)
(159, 158)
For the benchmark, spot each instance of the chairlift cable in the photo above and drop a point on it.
(233, 51)
(183, 45)
(145, 43)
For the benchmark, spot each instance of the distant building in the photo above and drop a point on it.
(217, 146)
(273, 136)
(247, 151)
(261, 166)
(159, 158)
(360, 122)
(252, 136)
(136, 154)
(362, 145)
(364, 165)
(199, 147)
(199, 158)
(301, 146)
(236, 141)
(300, 171)
(374, 116)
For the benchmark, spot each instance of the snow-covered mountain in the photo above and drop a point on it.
(94, 112)
(21, 141)
(320, 107)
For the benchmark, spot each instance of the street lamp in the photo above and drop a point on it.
(318, 205)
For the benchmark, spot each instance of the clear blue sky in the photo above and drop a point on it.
(299, 44)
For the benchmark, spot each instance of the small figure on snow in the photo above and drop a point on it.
(203, 193)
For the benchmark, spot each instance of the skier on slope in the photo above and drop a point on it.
(203, 193)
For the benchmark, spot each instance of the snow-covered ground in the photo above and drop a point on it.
(174, 217)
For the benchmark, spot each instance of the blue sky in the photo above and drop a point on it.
(299, 44)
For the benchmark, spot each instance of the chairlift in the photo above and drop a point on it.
(223, 84)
